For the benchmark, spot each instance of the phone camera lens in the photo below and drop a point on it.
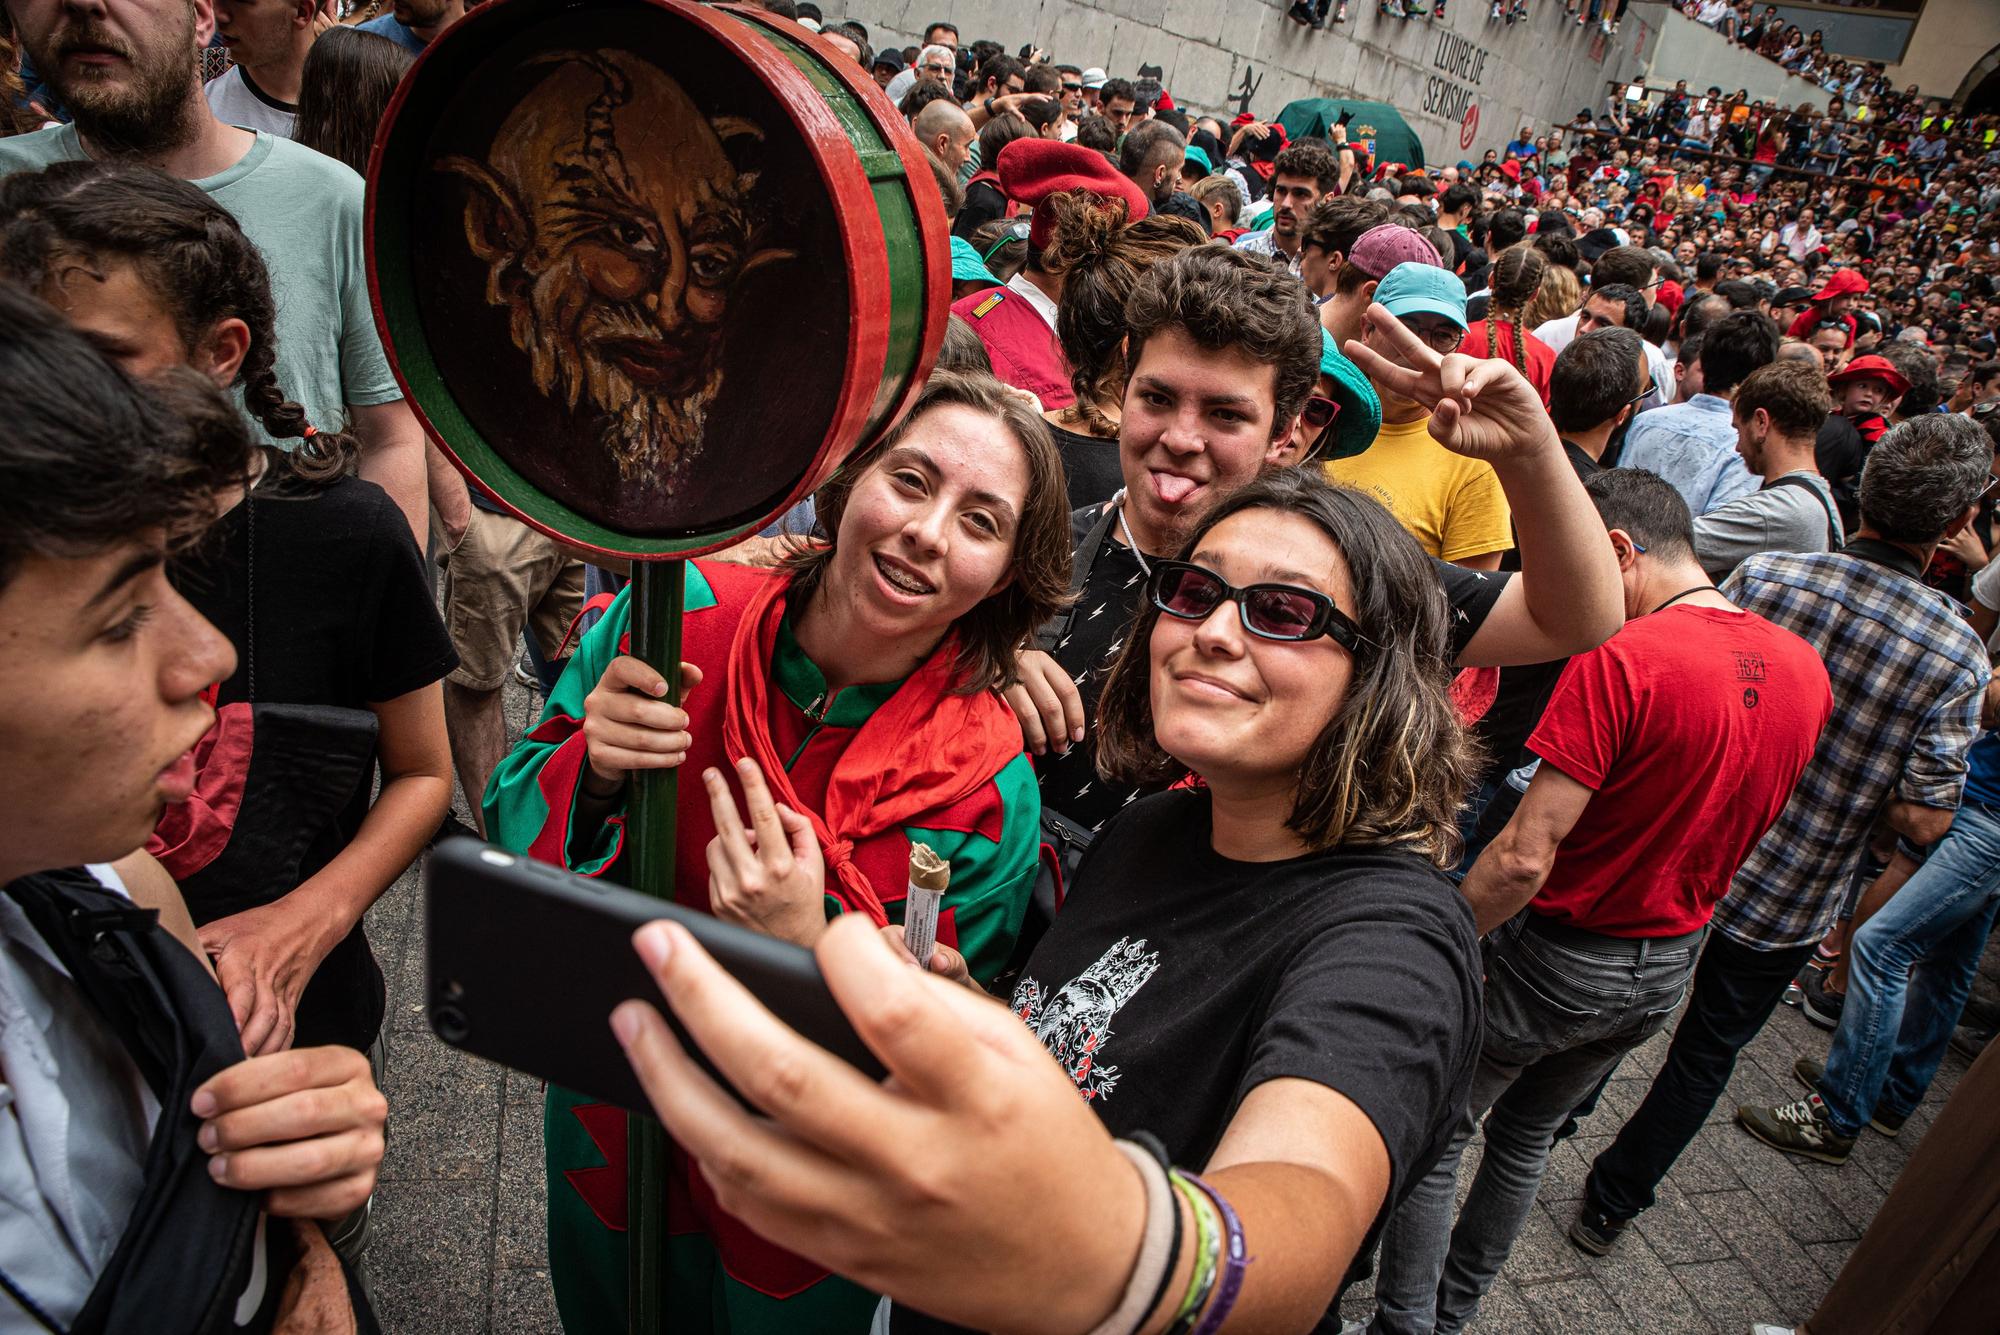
(448, 1022)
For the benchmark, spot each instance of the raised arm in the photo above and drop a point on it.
(1567, 598)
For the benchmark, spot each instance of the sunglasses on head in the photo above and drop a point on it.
(1268, 611)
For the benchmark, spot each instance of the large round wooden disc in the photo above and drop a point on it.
(631, 270)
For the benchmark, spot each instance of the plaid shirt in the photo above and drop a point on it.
(1908, 677)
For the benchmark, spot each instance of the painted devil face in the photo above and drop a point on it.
(614, 228)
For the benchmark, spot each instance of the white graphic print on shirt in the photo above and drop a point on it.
(1075, 1024)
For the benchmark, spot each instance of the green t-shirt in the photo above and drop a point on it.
(303, 210)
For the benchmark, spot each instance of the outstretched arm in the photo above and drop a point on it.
(1016, 1169)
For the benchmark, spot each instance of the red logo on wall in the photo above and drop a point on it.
(1469, 126)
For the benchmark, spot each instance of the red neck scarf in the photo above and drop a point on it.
(922, 749)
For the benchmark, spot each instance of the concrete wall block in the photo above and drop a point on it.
(1202, 78)
(1201, 20)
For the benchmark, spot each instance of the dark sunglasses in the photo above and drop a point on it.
(1072, 88)
(1268, 611)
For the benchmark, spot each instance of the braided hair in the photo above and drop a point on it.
(1516, 278)
(192, 255)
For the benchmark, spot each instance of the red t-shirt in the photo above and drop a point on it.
(1540, 356)
(1691, 725)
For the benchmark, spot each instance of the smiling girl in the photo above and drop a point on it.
(857, 683)
(1268, 973)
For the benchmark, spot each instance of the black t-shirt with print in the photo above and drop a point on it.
(1106, 608)
(1175, 981)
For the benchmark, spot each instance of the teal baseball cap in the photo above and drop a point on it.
(1423, 289)
(1360, 409)
(966, 266)
(1199, 156)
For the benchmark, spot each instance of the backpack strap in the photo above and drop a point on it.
(1833, 537)
(1096, 531)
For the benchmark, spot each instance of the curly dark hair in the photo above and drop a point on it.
(185, 247)
(1225, 298)
(89, 458)
(1393, 763)
(1309, 160)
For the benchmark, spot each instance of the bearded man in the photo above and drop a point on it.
(129, 71)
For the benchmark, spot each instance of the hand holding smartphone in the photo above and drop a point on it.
(525, 963)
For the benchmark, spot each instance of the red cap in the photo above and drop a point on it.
(1166, 102)
(1871, 367)
(1511, 169)
(1671, 296)
(1033, 169)
(1842, 283)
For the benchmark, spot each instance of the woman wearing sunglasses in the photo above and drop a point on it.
(1265, 971)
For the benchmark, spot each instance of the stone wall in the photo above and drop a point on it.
(1465, 83)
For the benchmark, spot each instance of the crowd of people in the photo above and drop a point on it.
(1373, 643)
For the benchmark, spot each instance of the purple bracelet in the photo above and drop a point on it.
(1235, 1260)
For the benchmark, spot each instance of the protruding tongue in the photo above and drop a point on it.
(1172, 488)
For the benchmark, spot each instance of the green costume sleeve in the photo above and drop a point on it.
(531, 799)
(991, 882)
(530, 803)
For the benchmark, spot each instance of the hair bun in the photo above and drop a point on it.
(1086, 227)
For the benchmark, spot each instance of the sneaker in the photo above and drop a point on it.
(1819, 1005)
(1301, 13)
(1799, 1127)
(1608, 26)
(1340, 13)
(1494, 13)
(1812, 1072)
(1594, 1231)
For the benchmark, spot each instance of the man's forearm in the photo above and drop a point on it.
(1502, 882)
(449, 495)
(392, 457)
(1569, 576)
(1919, 824)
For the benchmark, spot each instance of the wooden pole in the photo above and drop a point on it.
(658, 593)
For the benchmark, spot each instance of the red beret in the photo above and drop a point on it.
(1033, 169)
(1842, 283)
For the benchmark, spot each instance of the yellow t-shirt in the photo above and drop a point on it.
(1451, 504)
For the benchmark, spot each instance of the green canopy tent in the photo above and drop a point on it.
(1376, 125)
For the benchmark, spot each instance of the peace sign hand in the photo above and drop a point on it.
(1481, 407)
(769, 876)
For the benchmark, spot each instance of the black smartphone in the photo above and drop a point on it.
(525, 963)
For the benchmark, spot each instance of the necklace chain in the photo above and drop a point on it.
(1126, 529)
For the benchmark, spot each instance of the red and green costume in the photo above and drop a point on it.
(878, 767)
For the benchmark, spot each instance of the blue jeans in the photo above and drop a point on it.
(1910, 970)
(1561, 1009)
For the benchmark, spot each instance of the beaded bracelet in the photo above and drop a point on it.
(1237, 1260)
(1159, 1245)
(1207, 1263)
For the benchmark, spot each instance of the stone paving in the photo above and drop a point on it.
(1741, 1232)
